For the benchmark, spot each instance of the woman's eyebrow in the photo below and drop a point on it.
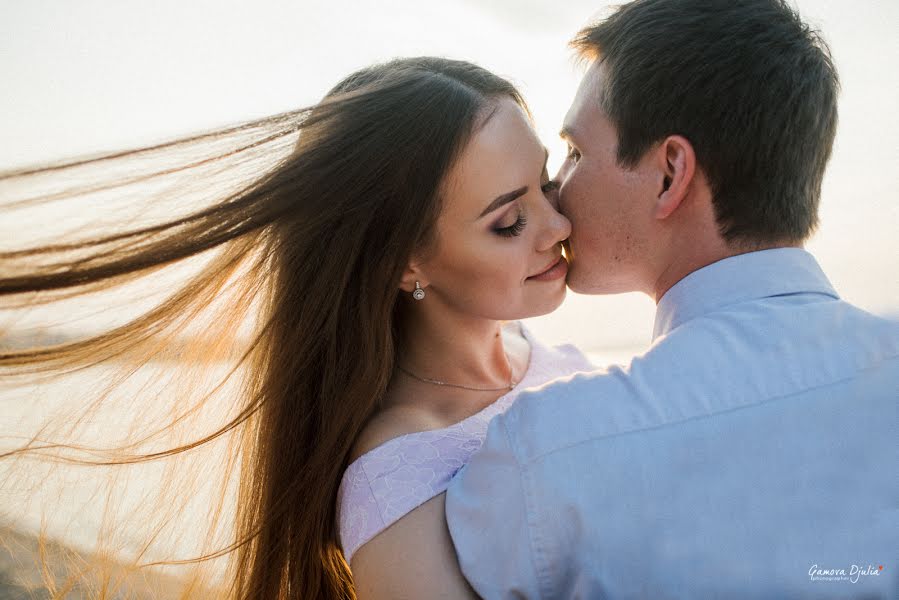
(504, 199)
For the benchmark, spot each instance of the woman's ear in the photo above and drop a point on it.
(412, 274)
(678, 166)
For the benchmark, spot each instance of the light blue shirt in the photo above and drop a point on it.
(751, 452)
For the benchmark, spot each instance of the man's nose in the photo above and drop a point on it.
(563, 172)
(560, 179)
(553, 196)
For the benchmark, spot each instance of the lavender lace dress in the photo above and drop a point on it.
(389, 481)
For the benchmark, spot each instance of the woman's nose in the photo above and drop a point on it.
(558, 227)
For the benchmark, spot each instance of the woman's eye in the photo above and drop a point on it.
(573, 154)
(550, 186)
(514, 229)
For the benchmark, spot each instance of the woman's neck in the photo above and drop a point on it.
(445, 346)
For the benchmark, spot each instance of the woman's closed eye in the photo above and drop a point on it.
(515, 228)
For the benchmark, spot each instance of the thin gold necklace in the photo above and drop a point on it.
(511, 385)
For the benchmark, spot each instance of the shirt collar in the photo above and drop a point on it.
(735, 279)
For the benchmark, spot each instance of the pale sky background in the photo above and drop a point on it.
(88, 76)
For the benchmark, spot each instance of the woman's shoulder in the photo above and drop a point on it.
(402, 459)
(392, 423)
(414, 558)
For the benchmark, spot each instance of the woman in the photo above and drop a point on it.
(414, 216)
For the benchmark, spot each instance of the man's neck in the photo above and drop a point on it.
(687, 262)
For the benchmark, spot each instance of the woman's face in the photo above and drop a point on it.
(498, 252)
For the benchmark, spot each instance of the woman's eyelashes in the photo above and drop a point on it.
(518, 226)
(515, 228)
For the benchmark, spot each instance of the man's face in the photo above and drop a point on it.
(610, 207)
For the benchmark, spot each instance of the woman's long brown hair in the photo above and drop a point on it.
(310, 255)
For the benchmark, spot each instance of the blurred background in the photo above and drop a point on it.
(92, 76)
(88, 76)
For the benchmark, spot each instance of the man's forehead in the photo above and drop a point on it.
(593, 83)
(586, 101)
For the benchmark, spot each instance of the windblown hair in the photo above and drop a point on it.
(308, 256)
(750, 85)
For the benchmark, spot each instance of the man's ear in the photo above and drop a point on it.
(677, 163)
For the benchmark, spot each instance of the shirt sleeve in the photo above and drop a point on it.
(489, 521)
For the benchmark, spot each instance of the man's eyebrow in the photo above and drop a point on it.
(504, 199)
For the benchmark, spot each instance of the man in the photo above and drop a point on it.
(752, 451)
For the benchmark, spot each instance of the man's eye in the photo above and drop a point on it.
(573, 154)
(550, 186)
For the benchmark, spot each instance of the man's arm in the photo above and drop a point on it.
(488, 517)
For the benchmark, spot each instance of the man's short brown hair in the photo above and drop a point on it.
(750, 85)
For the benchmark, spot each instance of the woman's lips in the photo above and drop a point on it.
(557, 270)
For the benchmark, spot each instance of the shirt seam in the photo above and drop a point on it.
(680, 322)
(540, 570)
(700, 417)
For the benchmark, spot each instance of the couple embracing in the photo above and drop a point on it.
(755, 439)
(405, 436)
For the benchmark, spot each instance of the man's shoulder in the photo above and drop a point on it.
(609, 401)
(707, 367)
